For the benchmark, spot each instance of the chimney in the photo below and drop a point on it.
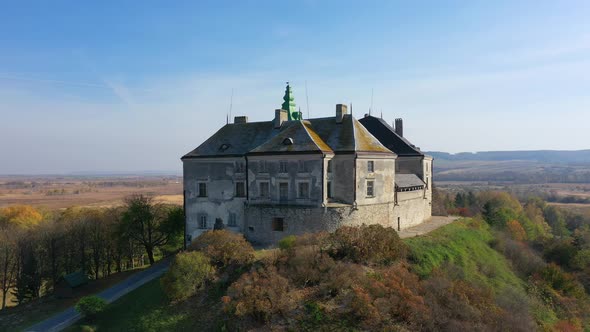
(341, 109)
(280, 117)
(241, 119)
(399, 127)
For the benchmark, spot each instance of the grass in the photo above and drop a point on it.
(19, 317)
(464, 244)
(144, 309)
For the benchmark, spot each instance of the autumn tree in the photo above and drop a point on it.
(22, 216)
(148, 223)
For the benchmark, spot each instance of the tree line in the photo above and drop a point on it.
(38, 248)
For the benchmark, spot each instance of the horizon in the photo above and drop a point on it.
(80, 95)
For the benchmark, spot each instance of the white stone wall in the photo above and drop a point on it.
(220, 176)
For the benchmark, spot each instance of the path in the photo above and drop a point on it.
(432, 224)
(69, 316)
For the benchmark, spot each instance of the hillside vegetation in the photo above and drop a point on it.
(508, 266)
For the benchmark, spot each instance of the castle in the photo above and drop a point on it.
(292, 175)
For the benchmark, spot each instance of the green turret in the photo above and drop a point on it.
(289, 104)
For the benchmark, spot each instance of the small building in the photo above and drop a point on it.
(67, 284)
(292, 175)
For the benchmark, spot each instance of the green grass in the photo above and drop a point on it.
(144, 309)
(465, 244)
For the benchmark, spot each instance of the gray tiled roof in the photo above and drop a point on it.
(388, 137)
(322, 134)
(408, 180)
(303, 138)
(239, 137)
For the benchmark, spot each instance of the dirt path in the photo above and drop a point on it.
(432, 224)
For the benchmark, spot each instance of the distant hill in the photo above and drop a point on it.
(550, 156)
(542, 166)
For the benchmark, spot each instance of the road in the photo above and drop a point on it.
(70, 316)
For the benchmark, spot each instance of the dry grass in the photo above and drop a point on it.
(53, 193)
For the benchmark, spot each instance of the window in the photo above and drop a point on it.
(232, 222)
(203, 221)
(303, 190)
(202, 189)
(370, 188)
(278, 224)
(240, 189)
(301, 167)
(329, 166)
(264, 189)
(370, 166)
(282, 167)
(240, 167)
(283, 191)
(329, 189)
(262, 166)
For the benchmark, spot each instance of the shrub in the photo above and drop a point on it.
(287, 242)
(260, 294)
(90, 306)
(188, 273)
(366, 244)
(224, 248)
(307, 265)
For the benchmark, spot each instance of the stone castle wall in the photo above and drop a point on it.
(412, 209)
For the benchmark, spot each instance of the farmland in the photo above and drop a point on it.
(58, 192)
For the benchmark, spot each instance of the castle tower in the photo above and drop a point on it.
(289, 105)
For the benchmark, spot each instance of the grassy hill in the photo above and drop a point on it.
(454, 278)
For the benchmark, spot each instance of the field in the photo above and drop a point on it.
(58, 192)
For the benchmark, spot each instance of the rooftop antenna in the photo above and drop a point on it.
(381, 114)
(370, 108)
(307, 100)
(351, 109)
(231, 104)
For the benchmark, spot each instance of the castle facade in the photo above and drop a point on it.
(291, 175)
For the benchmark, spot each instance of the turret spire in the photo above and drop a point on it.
(289, 104)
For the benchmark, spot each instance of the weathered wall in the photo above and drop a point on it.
(382, 177)
(313, 175)
(409, 165)
(220, 175)
(411, 210)
(342, 178)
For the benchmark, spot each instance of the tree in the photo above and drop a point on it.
(23, 216)
(90, 306)
(8, 261)
(148, 223)
(188, 273)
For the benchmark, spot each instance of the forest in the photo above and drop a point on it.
(37, 248)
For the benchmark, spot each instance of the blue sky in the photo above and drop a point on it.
(129, 86)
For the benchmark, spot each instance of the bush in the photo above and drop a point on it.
(260, 294)
(90, 306)
(307, 265)
(287, 242)
(224, 248)
(366, 244)
(188, 273)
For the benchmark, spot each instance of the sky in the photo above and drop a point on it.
(125, 86)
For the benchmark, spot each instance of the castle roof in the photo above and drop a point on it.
(388, 137)
(408, 181)
(321, 135)
(295, 137)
